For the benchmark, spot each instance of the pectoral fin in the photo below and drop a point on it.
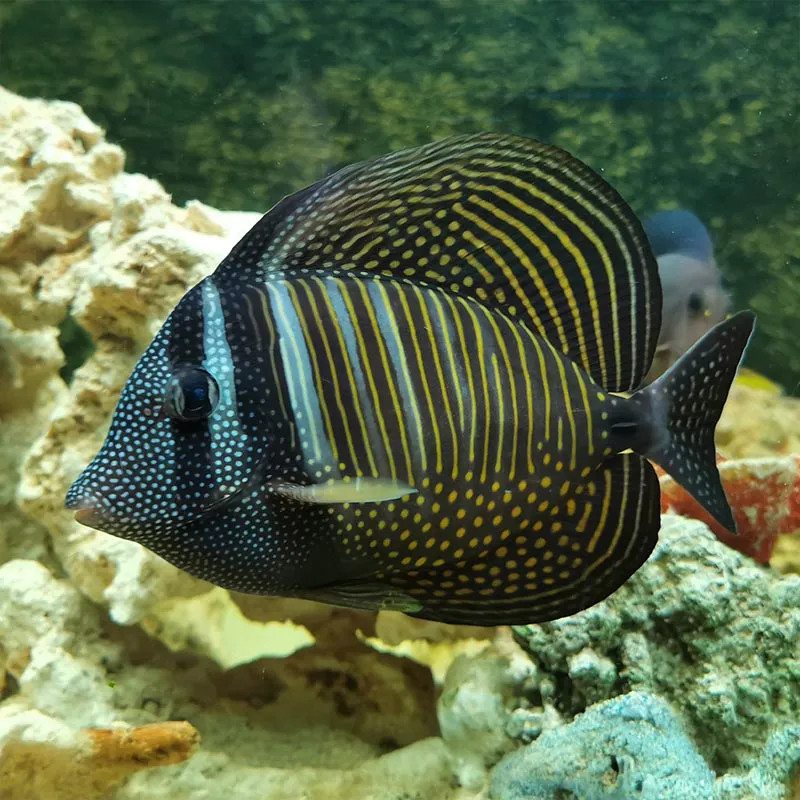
(347, 490)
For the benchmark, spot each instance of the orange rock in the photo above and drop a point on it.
(764, 494)
(156, 745)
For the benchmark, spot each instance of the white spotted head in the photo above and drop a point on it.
(194, 432)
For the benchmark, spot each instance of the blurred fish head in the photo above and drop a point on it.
(187, 438)
(694, 300)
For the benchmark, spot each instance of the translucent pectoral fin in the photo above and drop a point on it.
(347, 490)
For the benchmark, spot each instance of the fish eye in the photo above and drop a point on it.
(695, 303)
(192, 394)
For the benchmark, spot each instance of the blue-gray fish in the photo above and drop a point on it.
(694, 299)
(397, 392)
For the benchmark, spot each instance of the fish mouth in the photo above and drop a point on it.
(87, 512)
(85, 515)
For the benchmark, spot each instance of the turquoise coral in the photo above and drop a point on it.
(633, 747)
(630, 747)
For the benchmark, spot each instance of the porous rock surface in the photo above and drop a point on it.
(94, 706)
(80, 237)
(700, 625)
(631, 746)
(307, 723)
(759, 422)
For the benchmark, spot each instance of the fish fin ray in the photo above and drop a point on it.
(365, 595)
(518, 225)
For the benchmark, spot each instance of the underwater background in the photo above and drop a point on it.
(123, 678)
(676, 103)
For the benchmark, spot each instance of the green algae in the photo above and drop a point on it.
(687, 104)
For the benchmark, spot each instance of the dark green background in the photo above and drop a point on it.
(238, 102)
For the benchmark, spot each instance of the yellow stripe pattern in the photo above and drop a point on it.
(452, 318)
(464, 425)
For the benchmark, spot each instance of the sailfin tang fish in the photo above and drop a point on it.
(397, 392)
(693, 296)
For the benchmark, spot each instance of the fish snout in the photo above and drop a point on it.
(87, 508)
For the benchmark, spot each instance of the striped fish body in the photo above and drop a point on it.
(507, 443)
(396, 391)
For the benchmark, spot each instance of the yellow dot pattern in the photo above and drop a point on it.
(528, 561)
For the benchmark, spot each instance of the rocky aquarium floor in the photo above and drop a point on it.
(123, 678)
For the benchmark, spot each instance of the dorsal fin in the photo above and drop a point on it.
(518, 225)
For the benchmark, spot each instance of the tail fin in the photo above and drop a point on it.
(684, 405)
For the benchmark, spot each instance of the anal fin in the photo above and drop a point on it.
(366, 596)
